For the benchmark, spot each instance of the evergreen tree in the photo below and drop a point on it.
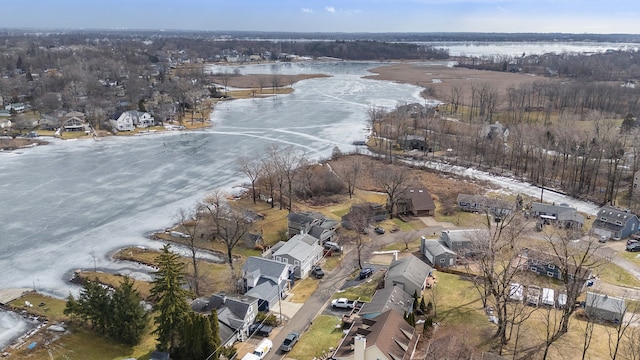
(96, 304)
(415, 300)
(197, 338)
(215, 332)
(171, 300)
(129, 319)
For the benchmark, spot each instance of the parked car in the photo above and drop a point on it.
(603, 239)
(633, 247)
(260, 330)
(632, 241)
(332, 246)
(317, 272)
(289, 341)
(344, 303)
(365, 273)
(379, 230)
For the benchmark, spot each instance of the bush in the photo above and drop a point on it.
(267, 319)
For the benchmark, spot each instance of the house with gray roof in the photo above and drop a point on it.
(481, 204)
(615, 223)
(314, 224)
(604, 307)
(409, 274)
(266, 279)
(302, 251)
(436, 253)
(463, 241)
(388, 298)
(562, 214)
(367, 213)
(236, 312)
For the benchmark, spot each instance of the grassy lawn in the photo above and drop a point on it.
(364, 291)
(84, 344)
(303, 289)
(114, 280)
(52, 309)
(614, 274)
(322, 337)
(631, 256)
(214, 277)
(456, 301)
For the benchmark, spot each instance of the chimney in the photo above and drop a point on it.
(395, 255)
(359, 345)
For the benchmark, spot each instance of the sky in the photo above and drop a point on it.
(541, 16)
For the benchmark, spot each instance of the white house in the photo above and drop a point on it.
(302, 251)
(129, 120)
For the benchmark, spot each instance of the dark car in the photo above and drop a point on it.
(379, 230)
(260, 330)
(633, 247)
(317, 272)
(289, 341)
(365, 273)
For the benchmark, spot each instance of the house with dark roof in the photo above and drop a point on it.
(235, 312)
(548, 264)
(481, 204)
(463, 241)
(367, 212)
(495, 131)
(436, 253)
(386, 337)
(409, 274)
(302, 251)
(266, 279)
(615, 223)
(562, 214)
(413, 142)
(388, 298)
(416, 201)
(604, 307)
(314, 224)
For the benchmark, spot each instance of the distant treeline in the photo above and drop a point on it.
(365, 50)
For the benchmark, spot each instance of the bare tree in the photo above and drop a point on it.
(359, 222)
(499, 250)
(394, 181)
(230, 225)
(189, 223)
(348, 169)
(576, 262)
(252, 168)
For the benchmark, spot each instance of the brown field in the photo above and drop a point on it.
(424, 76)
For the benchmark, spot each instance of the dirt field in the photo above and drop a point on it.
(440, 79)
(253, 81)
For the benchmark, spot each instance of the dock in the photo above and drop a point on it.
(8, 295)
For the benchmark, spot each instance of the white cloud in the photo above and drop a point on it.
(330, 9)
(307, 10)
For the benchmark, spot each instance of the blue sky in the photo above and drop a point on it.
(569, 16)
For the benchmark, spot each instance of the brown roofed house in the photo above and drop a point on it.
(386, 337)
(416, 201)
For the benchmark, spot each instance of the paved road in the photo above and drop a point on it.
(332, 282)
